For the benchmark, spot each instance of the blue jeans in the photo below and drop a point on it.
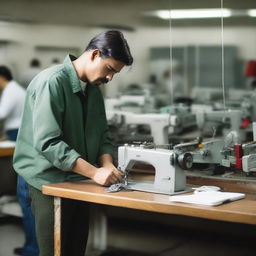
(30, 247)
(12, 134)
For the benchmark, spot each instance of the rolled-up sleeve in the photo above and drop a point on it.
(48, 140)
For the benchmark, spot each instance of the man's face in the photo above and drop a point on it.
(101, 70)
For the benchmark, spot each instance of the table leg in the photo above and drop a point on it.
(99, 228)
(57, 226)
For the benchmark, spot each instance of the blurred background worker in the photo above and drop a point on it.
(55, 61)
(11, 103)
(35, 68)
(11, 106)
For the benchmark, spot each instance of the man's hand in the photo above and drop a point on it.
(107, 175)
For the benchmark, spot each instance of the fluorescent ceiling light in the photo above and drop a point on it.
(252, 12)
(193, 13)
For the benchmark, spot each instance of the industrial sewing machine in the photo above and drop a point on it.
(172, 121)
(170, 165)
(169, 176)
(246, 112)
(131, 103)
(248, 106)
(186, 119)
(227, 152)
(159, 123)
(223, 121)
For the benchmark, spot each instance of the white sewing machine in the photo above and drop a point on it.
(228, 120)
(169, 177)
(160, 124)
(170, 164)
(185, 118)
(131, 103)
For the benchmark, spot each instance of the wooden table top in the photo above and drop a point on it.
(241, 211)
(6, 151)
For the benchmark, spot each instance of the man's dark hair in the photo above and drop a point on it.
(112, 44)
(35, 63)
(6, 73)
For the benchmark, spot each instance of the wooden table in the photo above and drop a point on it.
(242, 211)
(6, 151)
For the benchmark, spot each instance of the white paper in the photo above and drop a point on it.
(210, 198)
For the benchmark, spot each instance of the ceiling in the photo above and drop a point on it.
(125, 14)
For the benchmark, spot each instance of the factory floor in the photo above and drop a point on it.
(136, 237)
(11, 235)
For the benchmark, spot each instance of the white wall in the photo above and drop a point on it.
(24, 38)
(144, 38)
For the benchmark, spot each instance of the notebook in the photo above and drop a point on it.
(210, 198)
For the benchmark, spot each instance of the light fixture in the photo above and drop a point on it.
(193, 13)
(200, 13)
(252, 13)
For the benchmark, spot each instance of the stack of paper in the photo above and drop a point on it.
(208, 198)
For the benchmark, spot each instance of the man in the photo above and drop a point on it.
(63, 136)
(11, 106)
(11, 103)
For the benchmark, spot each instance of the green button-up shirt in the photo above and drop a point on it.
(60, 124)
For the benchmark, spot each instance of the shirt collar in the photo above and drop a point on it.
(74, 79)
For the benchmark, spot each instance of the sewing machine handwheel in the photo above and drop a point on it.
(185, 161)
